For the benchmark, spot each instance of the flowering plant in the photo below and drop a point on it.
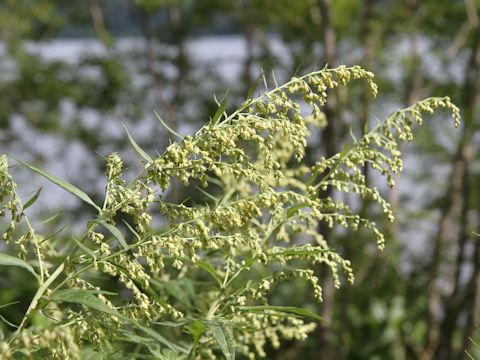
(197, 286)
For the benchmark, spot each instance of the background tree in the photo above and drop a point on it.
(416, 48)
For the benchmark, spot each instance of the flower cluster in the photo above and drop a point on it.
(9, 202)
(209, 269)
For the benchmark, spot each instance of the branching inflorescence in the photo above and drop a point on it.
(198, 286)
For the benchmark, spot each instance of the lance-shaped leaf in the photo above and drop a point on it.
(223, 334)
(220, 110)
(114, 231)
(32, 199)
(288, 310)
(165, 125)
(63, 184)
(7, 260)
(137, 148)
(83, 297)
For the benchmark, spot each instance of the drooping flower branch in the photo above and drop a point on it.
(257, 227)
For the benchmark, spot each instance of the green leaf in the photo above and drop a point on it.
(137, 148)
(196, 330)
(209, 268)
(365, 128)
(283, 309)
(274, 79)
(132, 230)
(32, 199)
(114, 231)
(265, 82)
(149, 343)
(63, 184)
(156, 336)
(32, 308)
(344, 151)
(171, 323)
(150, 291)
(178, 289)
(341, 156)
(7, 260)
(253, 87)
(83, 297)
(8, 322)
(85, 249)
(293, 210)
(210, 196)
(52, 235)
(167, 127)
(223, 334)
(352, 135)
(220, 110)
(8, 304)
(51, 218)
(300, 252)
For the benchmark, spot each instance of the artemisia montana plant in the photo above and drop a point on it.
(197, 286)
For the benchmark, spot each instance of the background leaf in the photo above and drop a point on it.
(63, 184)
(223, 334)
(284, 309)
(83, 297)
(7, 260)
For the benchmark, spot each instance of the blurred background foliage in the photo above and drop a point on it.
(71, 72)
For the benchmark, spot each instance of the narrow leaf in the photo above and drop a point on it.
(51, 236)
(7, 260)
(253, 88)
(156, 336)
(83, 297)
(32, 199)
(352, 135)
(284, 309)
(274, 79)
(51, 218)
(63, 184)
(344, 151)
(209, 268)
(149, 343)
(171, 323)
(223, 334)
(85, 249)
(8, 322)
(294, 209)
(114, 231)
(176, 290)
(196, 330)
(166, 126)
(365, 128)
(132, 230)
(299, 252)
(8, 304)
(137, 148)
(220, 110)
(341, 156)
(210, 196)
(265, 83)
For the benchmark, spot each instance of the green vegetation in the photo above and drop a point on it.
(72, 73)
(199, 286)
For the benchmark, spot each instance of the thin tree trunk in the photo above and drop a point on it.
(455, 303)
(351, 249)
(329, 143)
(440, 335)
